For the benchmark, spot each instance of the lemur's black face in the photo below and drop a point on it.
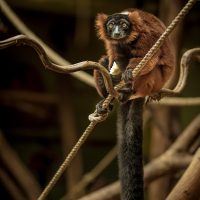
(118, 26)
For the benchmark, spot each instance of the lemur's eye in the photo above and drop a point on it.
(110, 26)
(124, 25)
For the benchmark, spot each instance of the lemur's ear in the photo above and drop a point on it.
(135, 18)
(100, 25)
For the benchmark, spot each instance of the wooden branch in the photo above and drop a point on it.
(186, 60)
(22, 28)
(109, 192)
(188, 186)
(178, 101)
(188, 57)
(92, 65)
(165, 164)
(11, 186)
(85, 65)
(174, 159)
(19, 171)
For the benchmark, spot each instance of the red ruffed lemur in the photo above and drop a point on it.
(128, 36)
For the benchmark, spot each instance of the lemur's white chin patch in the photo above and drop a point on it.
(115, 70)
(125, 13)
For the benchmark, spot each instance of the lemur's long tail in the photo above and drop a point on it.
(130, 136)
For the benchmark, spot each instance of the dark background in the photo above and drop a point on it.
(35, 129)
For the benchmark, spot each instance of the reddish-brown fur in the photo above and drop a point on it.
(146, 31)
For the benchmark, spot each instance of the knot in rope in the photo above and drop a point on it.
(96, 117)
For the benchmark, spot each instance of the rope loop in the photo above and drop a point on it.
(97, 118)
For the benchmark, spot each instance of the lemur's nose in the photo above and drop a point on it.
(116, 32)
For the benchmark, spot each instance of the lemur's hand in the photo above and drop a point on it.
(127, 75)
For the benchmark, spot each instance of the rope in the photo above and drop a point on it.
(95, 118)
(90, 176)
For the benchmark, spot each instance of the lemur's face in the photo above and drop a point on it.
(118, 26)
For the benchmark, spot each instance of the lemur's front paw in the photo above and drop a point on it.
(101, 110)
(127, 75)
(154, 97)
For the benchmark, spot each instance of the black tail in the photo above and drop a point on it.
(130, 136)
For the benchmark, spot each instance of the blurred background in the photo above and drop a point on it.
(43, 113)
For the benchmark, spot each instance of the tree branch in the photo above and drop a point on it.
(22, 174)
(178, 101)
(188, 57)
(188, 186)
(11, 186)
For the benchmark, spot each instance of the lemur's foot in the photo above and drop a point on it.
(155, 97)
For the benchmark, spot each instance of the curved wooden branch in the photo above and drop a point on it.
(24, 40)
(188, 57)
(188, 186)
(186, 60)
